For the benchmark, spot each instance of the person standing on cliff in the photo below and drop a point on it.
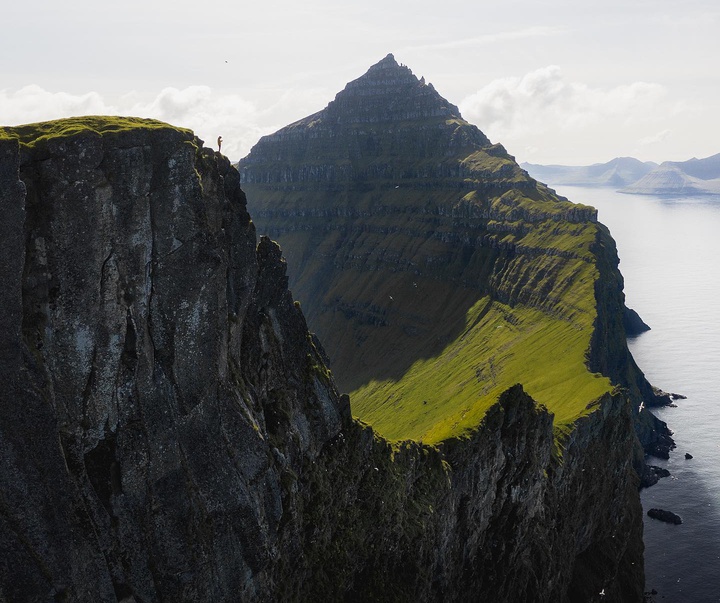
(219, 143)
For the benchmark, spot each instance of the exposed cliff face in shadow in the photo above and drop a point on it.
(610, 355)
(168, 430)
(499, 504)
(146, 329)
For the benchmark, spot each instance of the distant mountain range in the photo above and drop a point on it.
(630, 175)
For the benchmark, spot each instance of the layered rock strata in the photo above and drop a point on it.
(413, 242)
(169, 431)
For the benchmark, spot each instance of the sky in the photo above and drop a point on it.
(571, 82)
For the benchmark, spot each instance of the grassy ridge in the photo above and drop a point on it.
(444, 396)
(429, 332)
(39, 133)
(539, 338)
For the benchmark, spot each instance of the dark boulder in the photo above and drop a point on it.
(666, 516)
(652, 474)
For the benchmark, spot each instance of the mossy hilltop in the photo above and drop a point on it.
(39, 134)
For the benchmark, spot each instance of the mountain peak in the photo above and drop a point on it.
(389, 91)
(388, 62)
(388, 67)
(387, 123)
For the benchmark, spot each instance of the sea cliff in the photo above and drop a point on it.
(169, 429)
(435, 270)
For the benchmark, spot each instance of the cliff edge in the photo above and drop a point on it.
(169, 430)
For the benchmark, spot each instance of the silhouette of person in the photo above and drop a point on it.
(219, 143)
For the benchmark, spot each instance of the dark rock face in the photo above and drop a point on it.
(652, 475)
(666, 516)
(634, 325)
(499, 505)
(347, 131)
(610, 356)
(169, 431)
(149, 350)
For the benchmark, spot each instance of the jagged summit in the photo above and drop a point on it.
(389, 91)
(388, 69)
(386, 124)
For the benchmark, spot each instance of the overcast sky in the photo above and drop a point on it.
(554, 81)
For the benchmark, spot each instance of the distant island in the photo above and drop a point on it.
(630, 175)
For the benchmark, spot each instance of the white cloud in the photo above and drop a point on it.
(32, 104)
(196, 107)
(544, 101)
(544, 116)
(209, 115)
(655, 138)
(494, 38)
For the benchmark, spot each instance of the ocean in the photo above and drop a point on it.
(669, 252)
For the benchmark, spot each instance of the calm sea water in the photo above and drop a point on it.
(669, 252)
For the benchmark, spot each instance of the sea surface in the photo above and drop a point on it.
(669, 252)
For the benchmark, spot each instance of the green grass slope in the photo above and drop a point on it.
(425, 327)
(40, 133)
(541, 342)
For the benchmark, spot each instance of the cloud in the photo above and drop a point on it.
(32, 104)
(544, 100)
(240, 122)
(503, 36)
(655, 138)
(209, 115)
(543, 107)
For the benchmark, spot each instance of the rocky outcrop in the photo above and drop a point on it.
(491, 517)
(634, 325)
(666, 516)
(169, 431)
(138, 412)
(652, 475)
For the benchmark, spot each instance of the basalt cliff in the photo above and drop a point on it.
(170, 431)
